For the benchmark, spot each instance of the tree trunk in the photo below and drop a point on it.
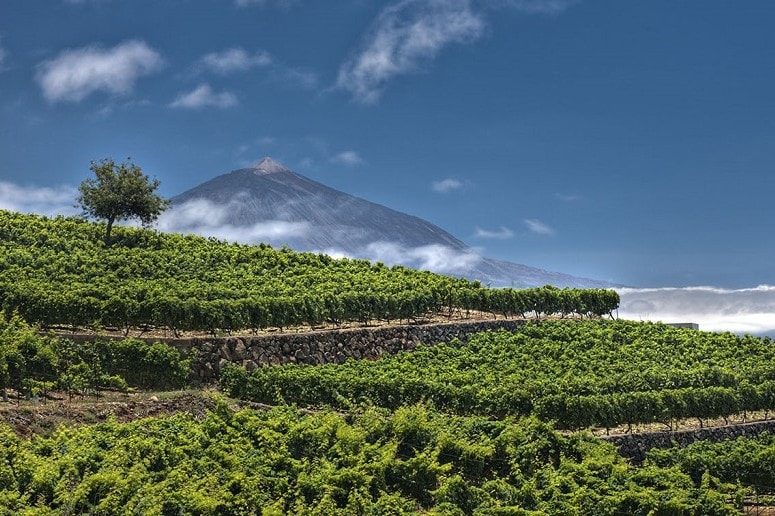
(109, 230)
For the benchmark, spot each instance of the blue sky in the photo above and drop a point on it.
(628, 141)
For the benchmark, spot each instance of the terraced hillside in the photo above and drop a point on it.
(577, 373)
(60, 272)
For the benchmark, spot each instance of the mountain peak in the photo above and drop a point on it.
(268, 166)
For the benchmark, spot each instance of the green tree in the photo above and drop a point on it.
(120, 191)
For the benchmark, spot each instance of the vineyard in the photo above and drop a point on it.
(576, 373)
(406, 462)
(449, 428)
(60, 272)
(32, 364)
(746, 460)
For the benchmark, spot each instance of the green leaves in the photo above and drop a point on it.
(120, 191)
(33, 364)
(57, 271)
(577, 373)
(281, 461)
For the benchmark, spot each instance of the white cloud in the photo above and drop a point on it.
(204, 96)
(446, 185)
(435, 257)
(349, 158)
(538, 227)
(502, 233)
(234, 60)
(404, 36)
(77, 73)
(238, 59)
(3, 56)
(42, 200)
(202, 217)
(750, 310)
(568, 197)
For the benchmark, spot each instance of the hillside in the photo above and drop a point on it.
(578, 374)
(59, 271)
(326, 219)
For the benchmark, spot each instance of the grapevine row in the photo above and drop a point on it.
(59, 272)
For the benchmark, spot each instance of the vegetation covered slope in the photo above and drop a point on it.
(284, 462)
(578, 373)
(32, 364)
(59, 271)
(747, 460)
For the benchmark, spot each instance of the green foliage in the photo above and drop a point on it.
(748, 460)
(33, 364)
(120, 191)
(58, 271)
(285, 462)
(578, 373)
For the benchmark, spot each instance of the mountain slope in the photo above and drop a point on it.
(271, 203)
(269, 191)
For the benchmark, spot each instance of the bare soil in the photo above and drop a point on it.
(167, 333)
(687, 424)
(28, 418)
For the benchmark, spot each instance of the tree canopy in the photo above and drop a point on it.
(120, 191)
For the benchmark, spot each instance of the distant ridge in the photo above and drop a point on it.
(328, 220)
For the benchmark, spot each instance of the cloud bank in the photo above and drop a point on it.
(435, 257)
(202, 217)
(747, 310)
(42, 200)
(77, 73)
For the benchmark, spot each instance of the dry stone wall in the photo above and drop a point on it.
(636, 446)
(336, 346)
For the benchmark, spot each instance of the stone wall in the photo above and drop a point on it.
(635, 446)
(323, 347)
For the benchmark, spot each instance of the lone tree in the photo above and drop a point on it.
(120, 191)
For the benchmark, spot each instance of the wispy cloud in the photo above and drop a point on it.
(237, 59)
(747, 310)
(349, 158)
(204, 96)
(446, 185)
(404, 36)
(34, 199)
(3, 57)
(538, 227)
(502, 233)
(77, 73)
(234, 60)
